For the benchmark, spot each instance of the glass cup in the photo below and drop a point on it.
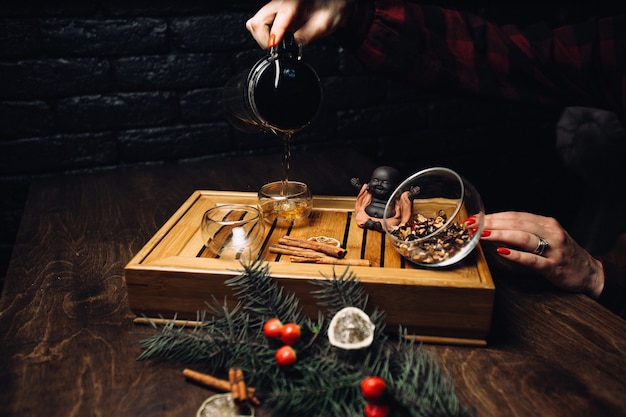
(232, 231)
(445, 222)
(283, 201)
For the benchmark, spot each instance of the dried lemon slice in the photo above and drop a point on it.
(351, 329)
(327, 240)
(222, 405)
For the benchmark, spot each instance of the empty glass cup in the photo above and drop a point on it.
(232, 231)
(283, 201)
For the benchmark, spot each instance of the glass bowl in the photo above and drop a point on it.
(232, 231)
(285, 201)
(444, 221)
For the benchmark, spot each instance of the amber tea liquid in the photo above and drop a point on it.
(283, 201)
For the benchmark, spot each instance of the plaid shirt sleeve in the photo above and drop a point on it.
(443, 50)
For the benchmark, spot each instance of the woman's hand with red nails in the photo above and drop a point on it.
(564, 263)
(306, 19)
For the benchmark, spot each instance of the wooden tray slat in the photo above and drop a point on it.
(173, 274)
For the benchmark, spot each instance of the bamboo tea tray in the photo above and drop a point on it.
(172, 274)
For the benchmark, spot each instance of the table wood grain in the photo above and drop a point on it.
(69, 346)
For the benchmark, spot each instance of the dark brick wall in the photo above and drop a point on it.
(95, 85)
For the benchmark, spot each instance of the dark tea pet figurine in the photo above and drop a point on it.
(373, 196)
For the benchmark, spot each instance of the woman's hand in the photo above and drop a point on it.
(306, 19)
(563, 262)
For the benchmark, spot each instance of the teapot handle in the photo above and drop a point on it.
(286, 48)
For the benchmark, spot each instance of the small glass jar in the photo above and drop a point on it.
(284, 202)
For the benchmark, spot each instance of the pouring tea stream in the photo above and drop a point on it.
(280, 94)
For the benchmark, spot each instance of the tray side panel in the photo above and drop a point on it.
(424, 311)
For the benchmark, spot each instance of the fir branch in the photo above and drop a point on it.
(315, 387)
(324, 380)
(221, 341)
(419, 385)
(260, 294)
(340, 291)
(345, 290)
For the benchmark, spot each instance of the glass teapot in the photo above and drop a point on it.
(279, 94)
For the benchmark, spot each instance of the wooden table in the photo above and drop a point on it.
(69, 345)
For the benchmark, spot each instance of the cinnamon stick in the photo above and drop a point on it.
(240, 384)
(290, 250)
(329, 260)
(334, 251)
(219, 384)
(232, 379)
(208, 380)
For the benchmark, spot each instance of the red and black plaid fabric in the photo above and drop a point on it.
(443, 50)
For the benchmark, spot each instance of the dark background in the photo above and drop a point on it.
(106, 85)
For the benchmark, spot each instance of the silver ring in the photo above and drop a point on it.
(541, 247)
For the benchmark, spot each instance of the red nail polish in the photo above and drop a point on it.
(503, 251)
(470, 221)
(473, 230)
(485, 233)
(272, 41)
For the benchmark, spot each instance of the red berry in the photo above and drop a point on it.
(290, 333)
(376, 410)
(373, 388)
(285, 356)
(272, 328)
